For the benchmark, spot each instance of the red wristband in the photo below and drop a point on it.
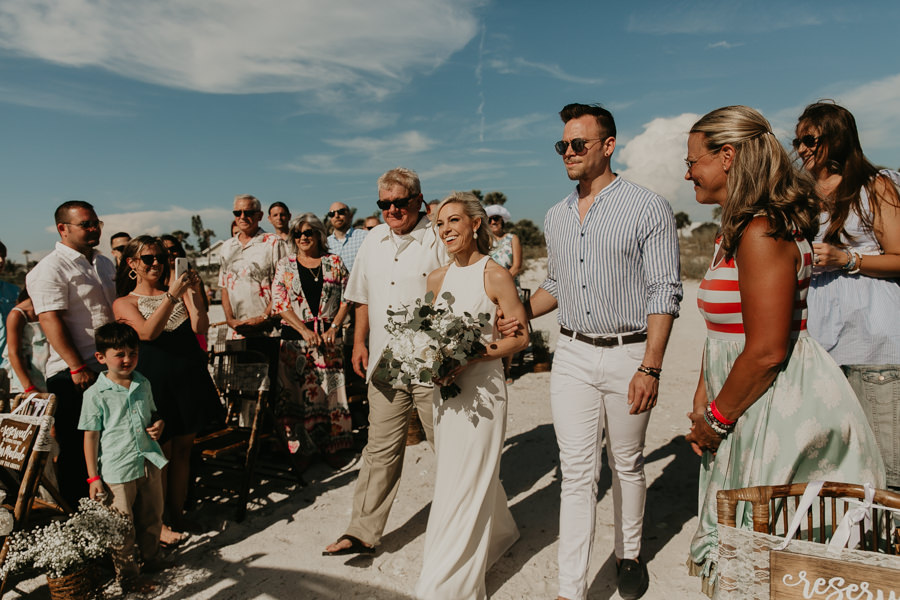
(718, 415)
(30, 388)
(78, 370)
(93, 479)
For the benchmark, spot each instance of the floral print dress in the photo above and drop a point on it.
(312, 403)
(808, 425)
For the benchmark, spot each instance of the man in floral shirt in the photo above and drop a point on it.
(245, 276)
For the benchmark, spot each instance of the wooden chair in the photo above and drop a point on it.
(244, 385)
(773, 509)
(23, 478)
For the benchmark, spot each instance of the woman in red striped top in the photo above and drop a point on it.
(771, 406)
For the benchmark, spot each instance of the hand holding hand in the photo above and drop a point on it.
(84, 379)
(702, 437)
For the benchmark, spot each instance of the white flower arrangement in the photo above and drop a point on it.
(427, 342)
(64, 547)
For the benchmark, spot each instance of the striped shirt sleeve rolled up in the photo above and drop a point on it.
(619, 265)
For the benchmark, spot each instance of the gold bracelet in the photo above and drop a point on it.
(171, 298)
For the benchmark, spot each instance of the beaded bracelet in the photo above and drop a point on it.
(851, 261)
(857, 264)
(714, 425)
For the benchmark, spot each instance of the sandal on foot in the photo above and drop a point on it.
(356, 547)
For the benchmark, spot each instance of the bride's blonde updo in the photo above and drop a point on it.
(484, 239)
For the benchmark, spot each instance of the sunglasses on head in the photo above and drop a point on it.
(810, 141)
(340, 211)
(578, 145)
(400, 203)
(308, 233)
(149, 259)
(246, 213)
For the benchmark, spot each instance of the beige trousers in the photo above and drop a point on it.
(142, 500)
(382, 458)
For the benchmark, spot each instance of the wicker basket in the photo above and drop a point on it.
(80, 585)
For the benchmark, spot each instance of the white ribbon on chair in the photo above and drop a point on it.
(847, 533)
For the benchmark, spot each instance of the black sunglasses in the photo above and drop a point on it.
(400, 203)
(305, 233)
(246, 213)
(149, 259)
(495, 218)
(810, 141)
(578, 145)
(371, 227)
(87, 224)
(119, 249)
(340, 211)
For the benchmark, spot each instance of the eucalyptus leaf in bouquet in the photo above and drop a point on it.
(427, 341)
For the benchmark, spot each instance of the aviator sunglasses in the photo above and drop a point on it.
(400, 203)
(149, 259)
(340, 211)
(578, 145)
(810, 141)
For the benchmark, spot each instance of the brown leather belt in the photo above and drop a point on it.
(605, 342)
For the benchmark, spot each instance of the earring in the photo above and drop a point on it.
(132, 275)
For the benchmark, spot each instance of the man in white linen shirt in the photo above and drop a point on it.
(391, 269)
(72, 289)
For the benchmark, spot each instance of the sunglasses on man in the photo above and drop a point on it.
(578, 145)
(119, 249)
(399, 203)
(87, 224)
(810, 141)
(246, 213)
(341, 211)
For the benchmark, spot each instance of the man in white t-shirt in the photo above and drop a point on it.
(391, 269)
(72, 289)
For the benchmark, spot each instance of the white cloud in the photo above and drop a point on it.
(724, 44)
(69, 100)
(158, 222)
(655, 159)
(408, 142)
(718, 17)
(520, 64)
(232, 46)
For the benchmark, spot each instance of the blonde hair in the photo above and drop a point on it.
(761, 180)
(484, 239)
(407, 178)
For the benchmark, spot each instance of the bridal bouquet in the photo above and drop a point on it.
(428, 342)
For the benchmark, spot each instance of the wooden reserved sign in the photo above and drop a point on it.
(15, 443)
(794, 576)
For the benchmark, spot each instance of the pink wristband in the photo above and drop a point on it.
(718, 415)
(78, 370)
(93, 479)
(30, 388)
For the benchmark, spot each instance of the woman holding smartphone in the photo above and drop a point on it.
(167, 319)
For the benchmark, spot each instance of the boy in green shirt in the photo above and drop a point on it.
(121, 429)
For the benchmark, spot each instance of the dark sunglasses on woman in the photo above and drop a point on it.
(149, 259)
(305, 233)
(810, 141)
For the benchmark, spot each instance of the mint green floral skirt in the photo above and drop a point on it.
(807, 426)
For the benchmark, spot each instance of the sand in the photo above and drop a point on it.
(276, 552)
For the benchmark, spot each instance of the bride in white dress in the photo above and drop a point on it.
(470, 526)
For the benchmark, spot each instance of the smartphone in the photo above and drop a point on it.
(181, 266)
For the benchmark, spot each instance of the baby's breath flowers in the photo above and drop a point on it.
(64, 547)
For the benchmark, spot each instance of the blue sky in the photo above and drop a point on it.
(154, 111)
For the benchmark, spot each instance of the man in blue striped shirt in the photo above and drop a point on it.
(613, 272)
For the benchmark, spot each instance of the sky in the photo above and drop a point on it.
(156, 111)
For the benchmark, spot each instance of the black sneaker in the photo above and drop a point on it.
(633, 578)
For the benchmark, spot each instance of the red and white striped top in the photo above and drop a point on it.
(719, 298)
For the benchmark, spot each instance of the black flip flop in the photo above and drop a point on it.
(356, 547)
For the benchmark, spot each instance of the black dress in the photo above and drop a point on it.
(175, 364)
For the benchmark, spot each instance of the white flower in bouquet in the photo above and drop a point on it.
(427, 342)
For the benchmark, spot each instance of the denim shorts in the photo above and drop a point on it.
(878, 390)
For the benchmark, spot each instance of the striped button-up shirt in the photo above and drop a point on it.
(621, 264)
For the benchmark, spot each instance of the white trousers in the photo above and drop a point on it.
(589, 393)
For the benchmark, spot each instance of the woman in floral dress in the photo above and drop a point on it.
(771, 406)
(307, 292)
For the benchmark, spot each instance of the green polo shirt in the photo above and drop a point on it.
(122, 415)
